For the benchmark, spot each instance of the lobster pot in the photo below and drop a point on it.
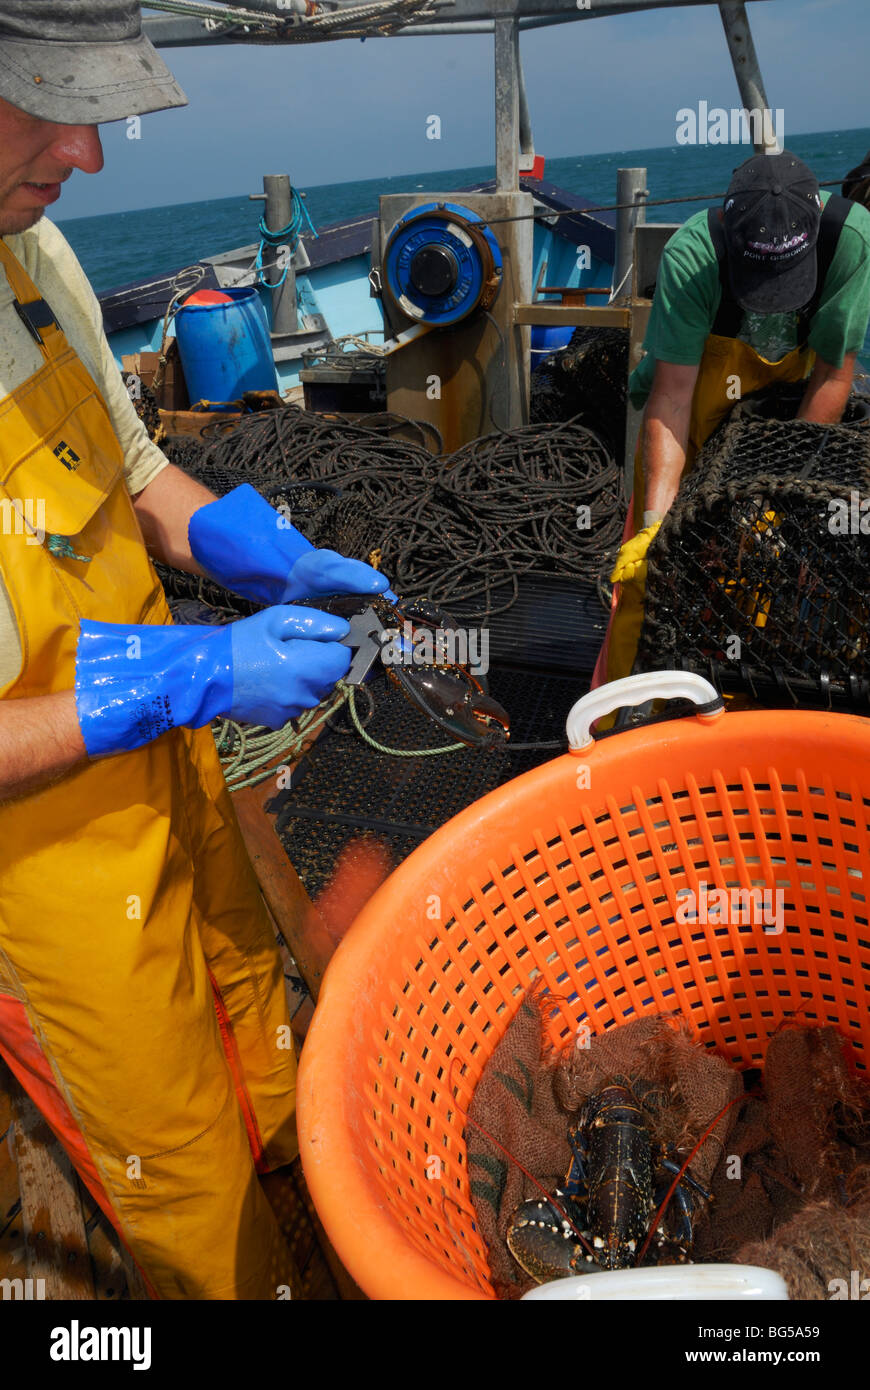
(760, 573)
(574, 876)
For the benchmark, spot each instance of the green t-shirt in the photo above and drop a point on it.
(688, 294)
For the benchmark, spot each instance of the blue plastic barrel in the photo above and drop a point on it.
(225, 348)
(548, 338)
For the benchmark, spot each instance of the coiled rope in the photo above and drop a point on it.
(283, 236)
(461, 528)
(249, 753)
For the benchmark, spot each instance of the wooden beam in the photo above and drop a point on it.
(56, 1243)
(136, 1286)
(11, 1239)
(298, 920)
(573, 315)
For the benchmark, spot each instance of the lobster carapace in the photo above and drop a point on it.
(617, 1181)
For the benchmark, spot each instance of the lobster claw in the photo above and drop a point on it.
(426, 614)
(452, 698)
(543, 1243)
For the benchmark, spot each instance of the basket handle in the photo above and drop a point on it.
(637, 690)
(695, 1282)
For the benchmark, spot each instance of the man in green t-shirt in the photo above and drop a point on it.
(775, 286)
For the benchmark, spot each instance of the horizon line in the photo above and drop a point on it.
(412, 173)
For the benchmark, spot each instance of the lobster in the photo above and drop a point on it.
(441, 687)
(617, 1180)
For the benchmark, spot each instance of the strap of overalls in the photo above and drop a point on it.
(35, 312)
(729, 318)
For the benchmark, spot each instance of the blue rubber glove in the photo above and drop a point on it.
(250, 547)
(135, 682)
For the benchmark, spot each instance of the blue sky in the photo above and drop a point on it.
(326, 113)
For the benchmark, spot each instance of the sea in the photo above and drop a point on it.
(117, 248)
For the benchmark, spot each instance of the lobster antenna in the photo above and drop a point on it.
(673, 1187)
(551, 1201)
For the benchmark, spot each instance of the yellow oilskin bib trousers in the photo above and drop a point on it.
(724, 361)
(141, 993)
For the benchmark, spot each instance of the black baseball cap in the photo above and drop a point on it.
(771, 220)
(81, 62)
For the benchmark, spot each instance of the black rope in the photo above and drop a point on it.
(460, 529)
(622, 207)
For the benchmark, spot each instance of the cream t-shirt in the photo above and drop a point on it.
(52, 266)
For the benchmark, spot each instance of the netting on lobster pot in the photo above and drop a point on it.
(586, 380)
(760, 574)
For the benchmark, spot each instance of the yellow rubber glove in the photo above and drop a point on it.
(631, 560)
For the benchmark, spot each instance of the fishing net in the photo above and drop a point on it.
(787, 1162)
(760, 574)
(587, 381)
(145, 405)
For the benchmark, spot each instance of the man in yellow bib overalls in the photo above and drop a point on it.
(141, 994)
(773, 287)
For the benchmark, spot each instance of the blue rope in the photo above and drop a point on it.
(289, 234)
(62, 548)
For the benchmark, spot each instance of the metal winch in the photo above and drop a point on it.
(441, 264)
(449, 276)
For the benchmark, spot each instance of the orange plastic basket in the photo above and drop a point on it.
(572, 875)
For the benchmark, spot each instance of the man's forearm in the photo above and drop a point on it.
(664, 461)
(40, 740)
(827, 392)
(664, 456)
(164, 509)
(666, 424)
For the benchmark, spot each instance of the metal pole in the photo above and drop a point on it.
(527, 140)
(507, 105)
(630, 188)
(748, 73)
(182, 32)
(277, 215)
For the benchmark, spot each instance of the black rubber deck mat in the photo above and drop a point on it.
(345, 792)
(556, 624)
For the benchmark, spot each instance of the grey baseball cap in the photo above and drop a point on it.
(81, 62)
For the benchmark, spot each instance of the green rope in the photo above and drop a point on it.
(61, 547)
(243, 750)
(382, 748)
(248, 752)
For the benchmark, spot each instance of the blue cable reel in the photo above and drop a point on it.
(441, 264)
